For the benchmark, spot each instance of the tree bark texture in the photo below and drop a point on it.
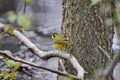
(85, 28)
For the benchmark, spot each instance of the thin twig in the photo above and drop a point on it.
(62, 65)
(105, 53)
(5, 54)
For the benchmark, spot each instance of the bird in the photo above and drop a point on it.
(59, 41)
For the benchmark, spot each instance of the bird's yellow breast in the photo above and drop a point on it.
(60, 46)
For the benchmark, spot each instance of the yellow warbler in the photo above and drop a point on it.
(58, 40)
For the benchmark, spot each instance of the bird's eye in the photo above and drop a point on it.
(54, 35)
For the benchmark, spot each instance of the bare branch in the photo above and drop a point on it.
(5, 54)
(68, 57)
(105, 53)
(62, 65)
(46, 55)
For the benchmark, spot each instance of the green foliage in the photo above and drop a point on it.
(5, 74)
(12, 75)
(10, 63)
(1, 35)
(14, 66)
(28, 2)
(117, 17)
(17, 65)
(10, 29)
(24, 21)
(11, 16)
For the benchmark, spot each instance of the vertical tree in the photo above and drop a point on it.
(87, 27)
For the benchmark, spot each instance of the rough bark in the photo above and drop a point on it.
(85, 28)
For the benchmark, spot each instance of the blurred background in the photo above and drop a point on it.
(46, 19)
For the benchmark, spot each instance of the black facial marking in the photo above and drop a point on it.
(54, 35)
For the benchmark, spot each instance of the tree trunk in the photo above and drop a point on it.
(86, 28)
